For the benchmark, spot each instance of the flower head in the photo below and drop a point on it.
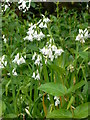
(19, 60)
(3, 62)
(82, 36)
(57, 101)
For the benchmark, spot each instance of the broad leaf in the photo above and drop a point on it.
(61, 113)
(81, 111)
(53, 89)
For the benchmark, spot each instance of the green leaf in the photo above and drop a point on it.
(56, 68)
(75, 87)
(70, 102)
(84, 55)
(60, 114)
(45, 71)
(2, 107)
(10, 116)
(33, 4)
(7, 87)
(53, 89)
(81, 111)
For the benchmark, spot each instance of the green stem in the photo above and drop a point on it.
(13, 94)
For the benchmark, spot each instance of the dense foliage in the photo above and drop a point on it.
(44, 63)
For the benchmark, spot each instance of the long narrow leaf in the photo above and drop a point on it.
(75, 87)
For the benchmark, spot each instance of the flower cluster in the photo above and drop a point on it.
(71, 68)
(37, 61)
(35, 32)
(37, 58)
(19, 60)
(24, 5)
(44, 22)
(36, 75)
(5, 6)
(82, 35)
(51, 51)
(13, 72)
(4, 39)
(3, 62)
(57, 101)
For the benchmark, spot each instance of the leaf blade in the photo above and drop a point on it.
(53, 89)
(61, 113)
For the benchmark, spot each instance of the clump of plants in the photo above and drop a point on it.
(44, 65)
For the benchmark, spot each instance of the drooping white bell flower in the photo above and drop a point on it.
(57, 101)
(18, 60)
(3, 62)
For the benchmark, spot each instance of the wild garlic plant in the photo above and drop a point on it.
(50, 51)
(44, 64)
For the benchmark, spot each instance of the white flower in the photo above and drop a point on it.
(25, 56)
(33, 34)
(52, 57)
(51, 40)
(20, 1)
(18, 60)
(46, 20)
(30, 38)
(80, 31)
(86, 35)
(14, 72)
(42, 25)
(40, 36)
(36, 75)
(58, 52)
(80, 38)
(3, 62)
(48, 97)
(54, 48)
(33, 76)
(33, 57)
(39, 58)
(50, 51)
(45, 60)
(82, 35)
(21, 60)
(43, 50)
(57, 101)
(23, 6)
(4, 39)
(89, 63)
